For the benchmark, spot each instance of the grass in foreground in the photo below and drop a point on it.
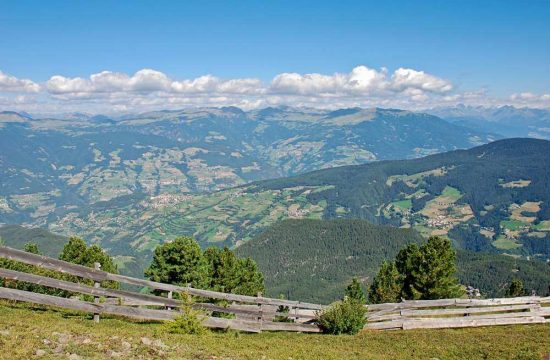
(25, 329)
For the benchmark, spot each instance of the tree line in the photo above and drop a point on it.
(179, 262)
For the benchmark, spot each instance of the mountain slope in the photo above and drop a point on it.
(314, 260)
(16, 236)
(491, 198)
(505, 120)
(49, 167)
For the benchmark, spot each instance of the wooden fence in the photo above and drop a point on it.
(255, 313)
(454, 313)
(251, 313)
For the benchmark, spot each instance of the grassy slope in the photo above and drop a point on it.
(23, 331)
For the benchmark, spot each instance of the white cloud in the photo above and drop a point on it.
(360, 81)
(213, 84)
(148, 89)
(145, 80)
(409, 78)
(528, 96)
(12, 84)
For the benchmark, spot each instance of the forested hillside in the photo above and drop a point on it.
(493, 198)
(51, 166)
(314, 260)
(490, 198)
(16, 236)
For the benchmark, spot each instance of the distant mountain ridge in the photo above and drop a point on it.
(508, 121)
(50, 166)
(492, 198)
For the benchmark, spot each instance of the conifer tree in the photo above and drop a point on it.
(354, 291)
(180, 262)
(230, 274)
(428, 271)
(515, 289)
(386, 286)
(77, 252)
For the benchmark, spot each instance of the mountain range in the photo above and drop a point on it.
(133, 182)
(508, 121)
(51, 166)
(492, 198)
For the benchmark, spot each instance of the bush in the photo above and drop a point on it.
(343, 317)
(189, 322)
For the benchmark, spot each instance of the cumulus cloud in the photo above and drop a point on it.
(403, 79)
(361, 81)
(148, 89)
(12, 84)
(145, 80)
(528, 96)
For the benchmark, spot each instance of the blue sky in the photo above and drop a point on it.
(502, 47)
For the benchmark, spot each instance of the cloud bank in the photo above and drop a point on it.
(148, 89)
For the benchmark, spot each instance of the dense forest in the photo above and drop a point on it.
(489, 180)
(17, 236)
(313, 260)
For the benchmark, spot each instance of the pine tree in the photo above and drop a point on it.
(179, 262)
(77, 252)
(515, 289)
(74, 251)
(386, 286)
(354, 291)
(230, 274)
(428, 271)
(406, 263)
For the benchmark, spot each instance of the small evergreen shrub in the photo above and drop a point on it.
(283, 315)
(343, 317)
(189, 322)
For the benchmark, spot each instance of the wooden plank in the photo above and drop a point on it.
(138, 313)
(498, 301)
(467, 322)
(282, 326)
(385, 325)
(87, 290)
(414, 304)
(476, 317)
(97, 285)
(464, 311)
(52, 264)
(98, 275)
(121, 297)
(384, 317)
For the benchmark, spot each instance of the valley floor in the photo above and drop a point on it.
(26, 331)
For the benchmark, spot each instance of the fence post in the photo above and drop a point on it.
(261, 312)
(97, 266)
(169, 297)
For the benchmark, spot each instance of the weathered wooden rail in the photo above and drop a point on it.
(256, 313)
(252, 313)
(453, 313)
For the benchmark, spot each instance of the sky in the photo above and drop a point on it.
(128, 56)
